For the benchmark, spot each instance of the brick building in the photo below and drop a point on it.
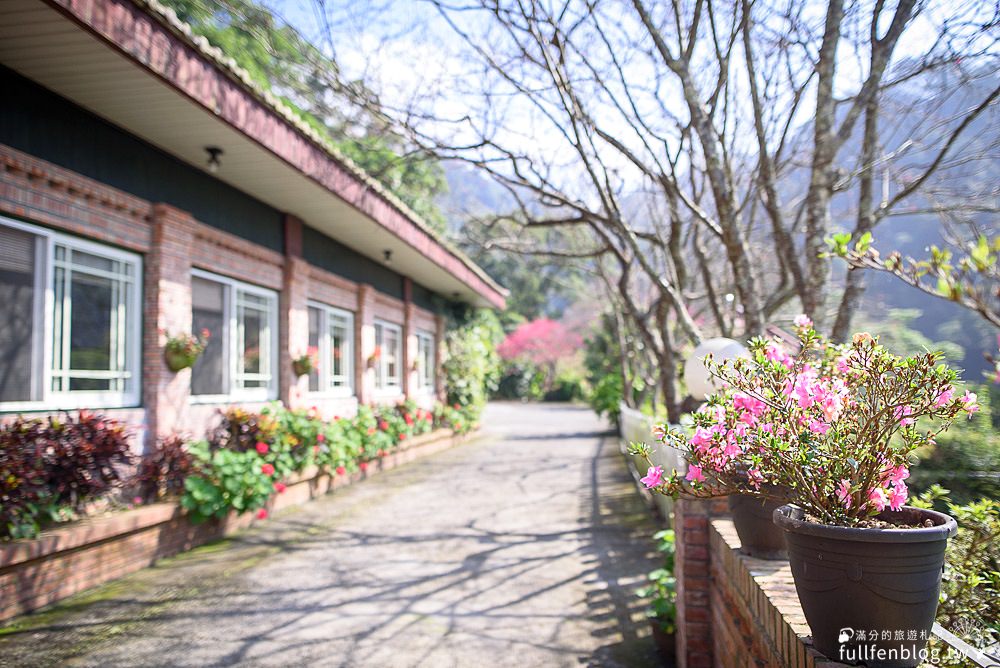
(116, 226)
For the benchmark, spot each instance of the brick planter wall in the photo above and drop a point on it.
(734, 611)
(70, 559)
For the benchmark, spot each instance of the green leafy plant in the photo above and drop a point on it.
(970, 590)
(661, 591)
(471, 367)
(225, 480)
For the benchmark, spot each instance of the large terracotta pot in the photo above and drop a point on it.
(852, 582)
(753, 518)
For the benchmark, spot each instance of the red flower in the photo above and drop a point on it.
(363, 466)
(320, 438)
(262, 514)
(383, 425)
(408, 418)
(456, 407)
(315, 449)
(380, 453)
(267, 469)
(371, 430)
(341, 470)
(280, 487)
(336, 417)
(402, 436)
(262, 448)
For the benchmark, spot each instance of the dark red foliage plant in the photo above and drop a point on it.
(161, 473)
(57, 463)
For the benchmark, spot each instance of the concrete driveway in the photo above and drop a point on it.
(521, 548)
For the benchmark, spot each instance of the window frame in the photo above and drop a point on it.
(43, 339)
(230, 299)
(426, 373)
(382, 388)
(327, 313)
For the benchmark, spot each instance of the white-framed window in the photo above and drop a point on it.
(241, 358)
(389, 343)
(331, 342)
(425, 361)
(71, 326)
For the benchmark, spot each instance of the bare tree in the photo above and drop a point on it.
(699, 149)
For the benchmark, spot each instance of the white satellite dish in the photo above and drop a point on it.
(699, 383)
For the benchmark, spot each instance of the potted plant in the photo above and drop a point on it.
(832, 426)
(182, 351)
(661, 593)
(305, 364)
(374, 357)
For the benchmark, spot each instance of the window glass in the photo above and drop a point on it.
(340, 351)
(388, 340)
(425, 361)
(90, 337)
(314, 329)
(208, 313)
(17, 327)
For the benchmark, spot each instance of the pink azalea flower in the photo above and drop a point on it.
(877, 499)
(897, 497)
(694, 474)
(900, 413)
(803, 321)
(755, 478)
(896, 475)
(944, 396)
(746, 402)
(320, 438)
(970, 402)
(775, 354)
(702, 437)
(654, 477)
(659, 432)
(844, 492)
(731, 449)
(818, 427)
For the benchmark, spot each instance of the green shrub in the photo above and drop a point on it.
(567, 387)
(970, 589)
(606, 396)
(661, 592)
(965, 459)
(471, 367)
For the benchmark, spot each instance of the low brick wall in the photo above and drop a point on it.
(756, 619)
(70, 559)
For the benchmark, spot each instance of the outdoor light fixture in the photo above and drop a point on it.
(387, 254)
(213, 158)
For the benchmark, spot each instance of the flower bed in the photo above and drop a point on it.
(76, 556)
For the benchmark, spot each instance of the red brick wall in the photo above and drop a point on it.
(173, 243)
(734, 611)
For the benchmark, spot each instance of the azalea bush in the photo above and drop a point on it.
(52, 468)
(832, 426)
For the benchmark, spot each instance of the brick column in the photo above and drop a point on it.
(409, 340)
(364, 335)
(439, 390)
(692, 567)
(167, 310)
(293, 318)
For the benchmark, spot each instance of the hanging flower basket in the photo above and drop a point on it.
(305, 364)
(182, 350)
(374, 357)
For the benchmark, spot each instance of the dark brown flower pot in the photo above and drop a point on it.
(178, 361)
(759, 536)
(852, 580)
(666, 643)
(300, 368)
